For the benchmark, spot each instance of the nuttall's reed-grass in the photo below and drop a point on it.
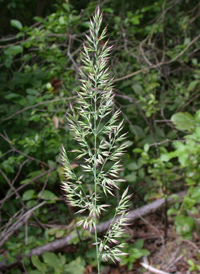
(95, 126)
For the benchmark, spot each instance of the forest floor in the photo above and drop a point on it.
(167, 257)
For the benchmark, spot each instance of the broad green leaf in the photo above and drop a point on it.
(17, 24)
(197, 116)
(192, 85)
(132, 166)
(75, 239)
(165, 157)
(139, 244)
(131, 177)
(183, 121)
(38, 264)
(195, 194)
(31, 98)
(148, 139)
(108, 10)
(145, 252)
(11, 96)
(191, 263)
(8, 167)
(137, 89)
(53, 230)
(28, 195)
(60, 233)
(26, 57)
(141, 173)
(47, 195)
(146, 147)
(129, 143)
(159, 132)
(31, 203)
(190, 182)
(172, 211)
(51, 259)
(137, 131)
(51, 164)
(135, 19)
(66, 6)
(135, 254)
(34, 174)
(32, 91)
(184, 224)
(189, 201)
(137, 150)
(179, 146)
(8, 60)
(40, 19)
(14, 49)
(75, 267)
(26, 44)
(31, 239)
(85, 24)
(22, 101)
(62, 20)
(187, 41)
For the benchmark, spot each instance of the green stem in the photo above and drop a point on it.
(95, 171)
(95, 201)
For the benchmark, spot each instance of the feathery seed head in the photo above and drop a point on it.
(98, 135)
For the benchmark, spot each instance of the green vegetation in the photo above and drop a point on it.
(156, 68)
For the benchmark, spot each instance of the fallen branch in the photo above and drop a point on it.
(153, 269)
(61, 243)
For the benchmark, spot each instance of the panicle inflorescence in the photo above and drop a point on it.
(94, 126)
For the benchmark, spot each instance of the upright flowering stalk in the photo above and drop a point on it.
(95, 128)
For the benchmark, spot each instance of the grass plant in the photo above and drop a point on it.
(94, 125)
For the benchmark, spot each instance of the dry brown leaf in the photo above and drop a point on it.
(114, 271)
(106, 270)
(55, 122)
(88, 269)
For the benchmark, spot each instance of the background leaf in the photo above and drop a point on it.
(17, 24)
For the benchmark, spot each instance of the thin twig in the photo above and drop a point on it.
(161, 63)
(41, 103)
(19, 223)
(29, 182)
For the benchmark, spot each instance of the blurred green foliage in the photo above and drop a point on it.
(155, 62)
